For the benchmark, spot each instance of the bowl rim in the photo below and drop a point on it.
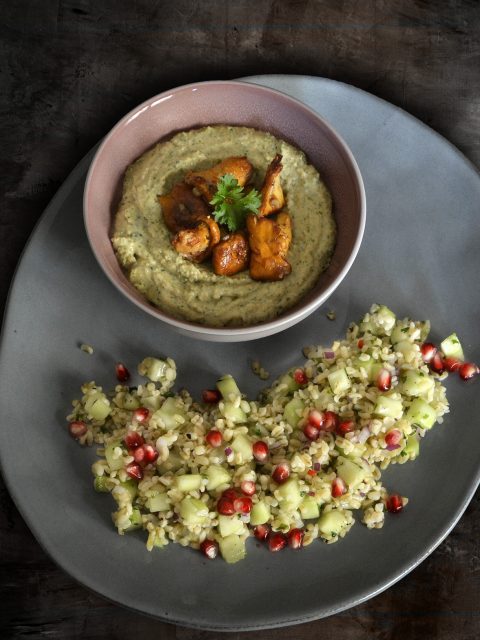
(259, 330)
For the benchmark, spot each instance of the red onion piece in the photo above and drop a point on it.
(228, 451)
(329, 355)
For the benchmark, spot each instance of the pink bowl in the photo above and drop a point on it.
(236, 103)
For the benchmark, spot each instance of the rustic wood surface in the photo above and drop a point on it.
(69, 69)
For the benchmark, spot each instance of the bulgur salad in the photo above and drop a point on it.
(287, 468)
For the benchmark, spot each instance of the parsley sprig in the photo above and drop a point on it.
(232, 203)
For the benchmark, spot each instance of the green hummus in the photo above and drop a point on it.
(191, 291)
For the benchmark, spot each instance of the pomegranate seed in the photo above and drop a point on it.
(393, 437)
(225, 507)
(261, 531)
(468, 370)
(311, 432)
(312, 472)
(248, 487)
(360, 344)
(384, 380)
(150, 453)
(123, 374)
(214, 438)
(295, 538)
(300, 376)
(436, 363)
(330, 421)
(345, 427)
(141, 415)
(338, 487)
(77, 428)
(211, 396)
(133, 440)
(428, 350)
(243, 504)
(134, 470)
(260, 450)
(281, 473)
(316, 418)
(209, 548)
(231, 494)
(452, 364)
(394, 503)
(139, 454)
(277, 541)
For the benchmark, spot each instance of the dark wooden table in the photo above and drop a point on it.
(71, 68)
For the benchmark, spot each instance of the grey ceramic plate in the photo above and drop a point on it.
(419, 256)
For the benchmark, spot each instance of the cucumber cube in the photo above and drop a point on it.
(135, 520)
(230, 525)
(407, 349)
(228, 388)
(452, 348)
(364, 364)
(132, 487)
(233, 413)
(170, 413)
(260, 513)
(309, 508)
(173, 463)
(352, 472)
(412, 447)
(232, 548)
(384, 318)
(421, 413)
(193, 511)
(241, 444)
(289, 494)
(339, 381)
(417, 383)
(101, 484)
(188, 482)
(130, 402)
(153, 368)
(387, 407)
(113, 463)
(293, 411)
(332, 522)
(374, 371)
(399, 334)
(158, 502)
(288, 383)
(97, 406)
(217, 476)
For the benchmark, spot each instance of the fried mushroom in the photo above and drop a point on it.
(269, 243)
(181, 208)
(272, 198)
(231, 255)
(206, 181)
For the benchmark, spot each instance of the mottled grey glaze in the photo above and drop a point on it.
(419, 256)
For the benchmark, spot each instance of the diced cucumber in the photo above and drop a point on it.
(293, 411)
(421, 413)
(352, 472)
(407, 349)
(387, 407)
(101, 484)
(170, 413)
(242, 444)
(289, 494)
(416, 383)
(153, 368)
(399, 334)
(339, 381)
(412, 447)
(364, 364)
(193, 511)
(424, 329)
(260, 513)
(132, 487)
(158, 502)
(135, 520)
(452, 347)
(130, 402)
(232, 548)
(217, 476)
(384, 318)
(172, 463)
(97, 406)
(113, 463)
(374, 371)
(233, 413)
(309, 508)
(228, 388)
(230, 525)
(288, 384)
(332, 522)
(188, 482)
(152, 402)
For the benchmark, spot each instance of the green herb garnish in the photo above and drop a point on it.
(232, 203)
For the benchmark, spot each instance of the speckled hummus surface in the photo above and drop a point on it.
(192, 291)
